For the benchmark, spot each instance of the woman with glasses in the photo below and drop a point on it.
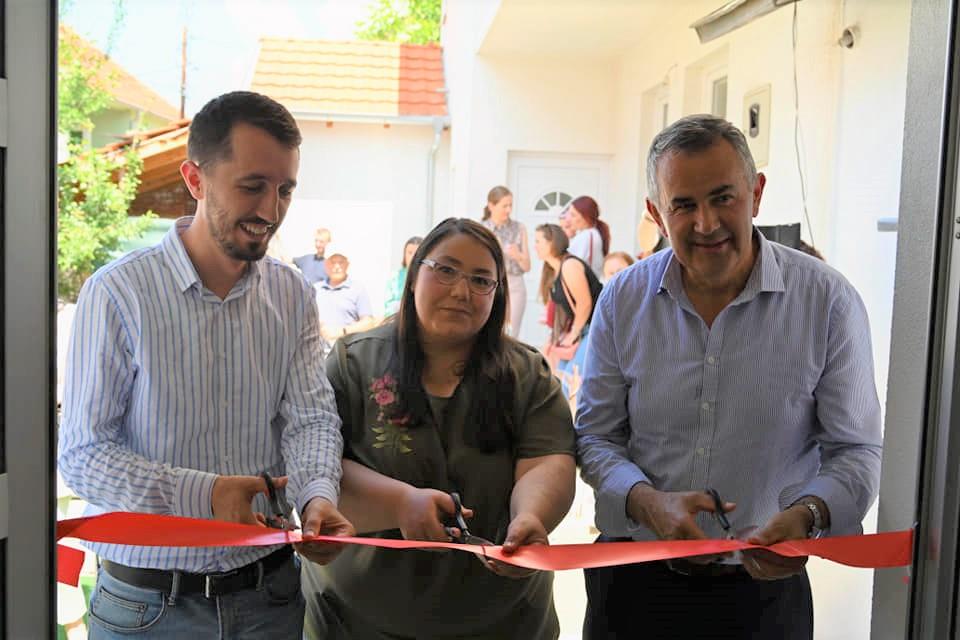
(438, 400)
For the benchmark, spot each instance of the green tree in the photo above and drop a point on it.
(95, 188)
(407, 21)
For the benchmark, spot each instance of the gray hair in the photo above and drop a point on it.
(691, 134)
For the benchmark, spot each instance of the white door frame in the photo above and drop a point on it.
(29, 284)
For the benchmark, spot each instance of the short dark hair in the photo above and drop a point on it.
(209, 139)
(693, 134)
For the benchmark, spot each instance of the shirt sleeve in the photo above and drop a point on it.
(848, 412)
(363, 304)
(311, 443)
(603, 425)
(579, 245)
(94, 459)
(546, 426)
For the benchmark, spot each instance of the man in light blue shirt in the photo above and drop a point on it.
(194, 366)
(729, 363)
(342, 303)
(313, 265)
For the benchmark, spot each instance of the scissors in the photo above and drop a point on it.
(278, 518)
(719, 514)
(465, 536)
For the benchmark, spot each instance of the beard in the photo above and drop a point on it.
(224, 230)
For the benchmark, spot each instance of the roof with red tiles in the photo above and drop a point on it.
(125, 88)
(352, 77)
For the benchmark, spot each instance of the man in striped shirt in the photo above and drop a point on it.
(729, 363)
(194, 366)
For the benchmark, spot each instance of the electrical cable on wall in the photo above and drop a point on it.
(796, 131)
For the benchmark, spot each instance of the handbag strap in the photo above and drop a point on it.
(563, 284)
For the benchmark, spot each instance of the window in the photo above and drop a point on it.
(553, 200)
(718, 97)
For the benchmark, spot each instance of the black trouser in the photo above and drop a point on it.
(648, 601)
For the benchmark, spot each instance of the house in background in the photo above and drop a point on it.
(162, 150)
(559, 99)
(135, 106)
(374, 165)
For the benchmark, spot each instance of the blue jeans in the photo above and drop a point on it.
(273, 609)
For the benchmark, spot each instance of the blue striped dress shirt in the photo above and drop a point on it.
(775, 401)
(167, 386)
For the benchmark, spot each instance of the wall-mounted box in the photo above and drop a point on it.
(756, 123)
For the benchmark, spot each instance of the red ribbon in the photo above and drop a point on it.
(878, 550)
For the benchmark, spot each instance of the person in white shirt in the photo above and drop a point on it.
(591, 243)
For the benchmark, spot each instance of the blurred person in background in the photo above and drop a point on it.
(395, 285)
(569, 283)
(513, 238)
(311, 264)
(614, 263)
(591, 242)
(342, 304)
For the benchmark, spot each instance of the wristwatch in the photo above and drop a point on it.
(817, 527)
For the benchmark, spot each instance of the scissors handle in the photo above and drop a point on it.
(277, 519)
(719, 512)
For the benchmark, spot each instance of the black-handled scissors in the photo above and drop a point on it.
(719, 513)
(278, 518)
(465, 536)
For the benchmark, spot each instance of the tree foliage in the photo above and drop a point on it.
(94, 189)
(407, 21)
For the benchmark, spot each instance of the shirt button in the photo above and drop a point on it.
(705, 406)
(700, 451)
(712, 360)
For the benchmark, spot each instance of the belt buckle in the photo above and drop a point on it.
(683, 569)
(210, 579)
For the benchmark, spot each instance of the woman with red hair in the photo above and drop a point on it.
(591, 243)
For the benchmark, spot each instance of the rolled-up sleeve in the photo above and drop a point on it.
(603, 425)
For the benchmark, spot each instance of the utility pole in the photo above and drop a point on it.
(183, 72)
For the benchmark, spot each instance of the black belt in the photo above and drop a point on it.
(210, 585)
(711, 570)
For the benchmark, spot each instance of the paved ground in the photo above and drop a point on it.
(568, 591)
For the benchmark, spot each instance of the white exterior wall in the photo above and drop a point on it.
(366, 183)
(851, 110)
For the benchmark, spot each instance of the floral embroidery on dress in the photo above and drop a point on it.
(391, 432)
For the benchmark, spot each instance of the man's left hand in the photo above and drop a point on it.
(321, 518)
(524, 529)
(791, 524)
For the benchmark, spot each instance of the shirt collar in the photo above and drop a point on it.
(325, 284)
(184, 272)
(765, 275)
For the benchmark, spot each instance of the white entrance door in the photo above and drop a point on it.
(543, 184)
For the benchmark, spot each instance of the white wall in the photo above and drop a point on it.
(367, 183)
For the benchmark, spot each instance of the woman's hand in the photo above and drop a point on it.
(525, 529)
(421, 513)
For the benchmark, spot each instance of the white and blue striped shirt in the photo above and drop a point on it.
(775, 401)
(168, 386)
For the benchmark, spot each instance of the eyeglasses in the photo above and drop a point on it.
(449, 276)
